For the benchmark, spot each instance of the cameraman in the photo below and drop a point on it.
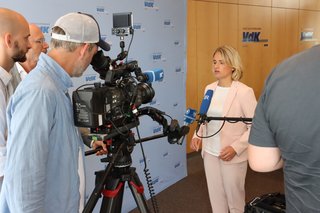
(45, 149)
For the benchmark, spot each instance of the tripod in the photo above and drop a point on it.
(111, 181)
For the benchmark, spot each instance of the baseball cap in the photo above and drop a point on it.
(80, 28)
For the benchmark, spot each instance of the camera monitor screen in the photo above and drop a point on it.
(122, 20)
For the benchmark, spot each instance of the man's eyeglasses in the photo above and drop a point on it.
(40, 41)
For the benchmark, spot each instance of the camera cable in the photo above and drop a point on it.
(148, 177)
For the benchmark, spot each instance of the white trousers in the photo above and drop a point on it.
(225, 184)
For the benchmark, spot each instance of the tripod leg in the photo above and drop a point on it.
(112, 196)
(101, 178)
(137, 189)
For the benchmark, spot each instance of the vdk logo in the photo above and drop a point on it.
(167, 22)
(137, 26)
(100, 9)
(252, 37)
(156, 56)
(90, 78)
(157, 129)
(149, 4)
(44, 28)
(155, 180)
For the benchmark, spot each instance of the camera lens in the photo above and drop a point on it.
(145, 92)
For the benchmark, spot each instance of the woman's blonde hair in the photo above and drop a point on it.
(231, 58)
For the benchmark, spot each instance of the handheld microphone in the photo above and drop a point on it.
(204, 107)
(206, 102)
(154, 75)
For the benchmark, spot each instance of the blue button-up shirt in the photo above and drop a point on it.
(5, 78)
(41, 172)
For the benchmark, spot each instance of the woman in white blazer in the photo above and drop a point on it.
(225, 153)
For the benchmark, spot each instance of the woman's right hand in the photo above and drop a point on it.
(195, 144)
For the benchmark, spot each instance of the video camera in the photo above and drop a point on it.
(111, 109)
(114, 104)
(113, 101)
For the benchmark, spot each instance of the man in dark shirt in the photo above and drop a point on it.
(286, 129)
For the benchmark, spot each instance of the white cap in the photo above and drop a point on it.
(80, 28)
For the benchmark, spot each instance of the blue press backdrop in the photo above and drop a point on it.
(159, 42)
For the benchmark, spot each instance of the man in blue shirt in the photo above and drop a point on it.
(45, 149)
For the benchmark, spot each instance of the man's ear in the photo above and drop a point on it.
(7, 39)
(83, 49)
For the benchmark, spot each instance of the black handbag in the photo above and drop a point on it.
(267, 203)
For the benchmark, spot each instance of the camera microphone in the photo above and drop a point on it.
(176, 133)
(154, 75)
(189, 117)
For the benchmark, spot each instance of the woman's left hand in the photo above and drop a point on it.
(227, 153)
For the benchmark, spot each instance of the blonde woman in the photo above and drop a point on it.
(225, 153)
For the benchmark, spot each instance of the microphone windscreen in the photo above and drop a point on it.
(154, 75)
(184, 130)
(206, 102)
(189, 116)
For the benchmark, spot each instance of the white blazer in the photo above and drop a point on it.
(240, 102)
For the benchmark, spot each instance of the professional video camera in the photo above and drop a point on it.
(125, 88)
(115, 101)
(111, 109)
